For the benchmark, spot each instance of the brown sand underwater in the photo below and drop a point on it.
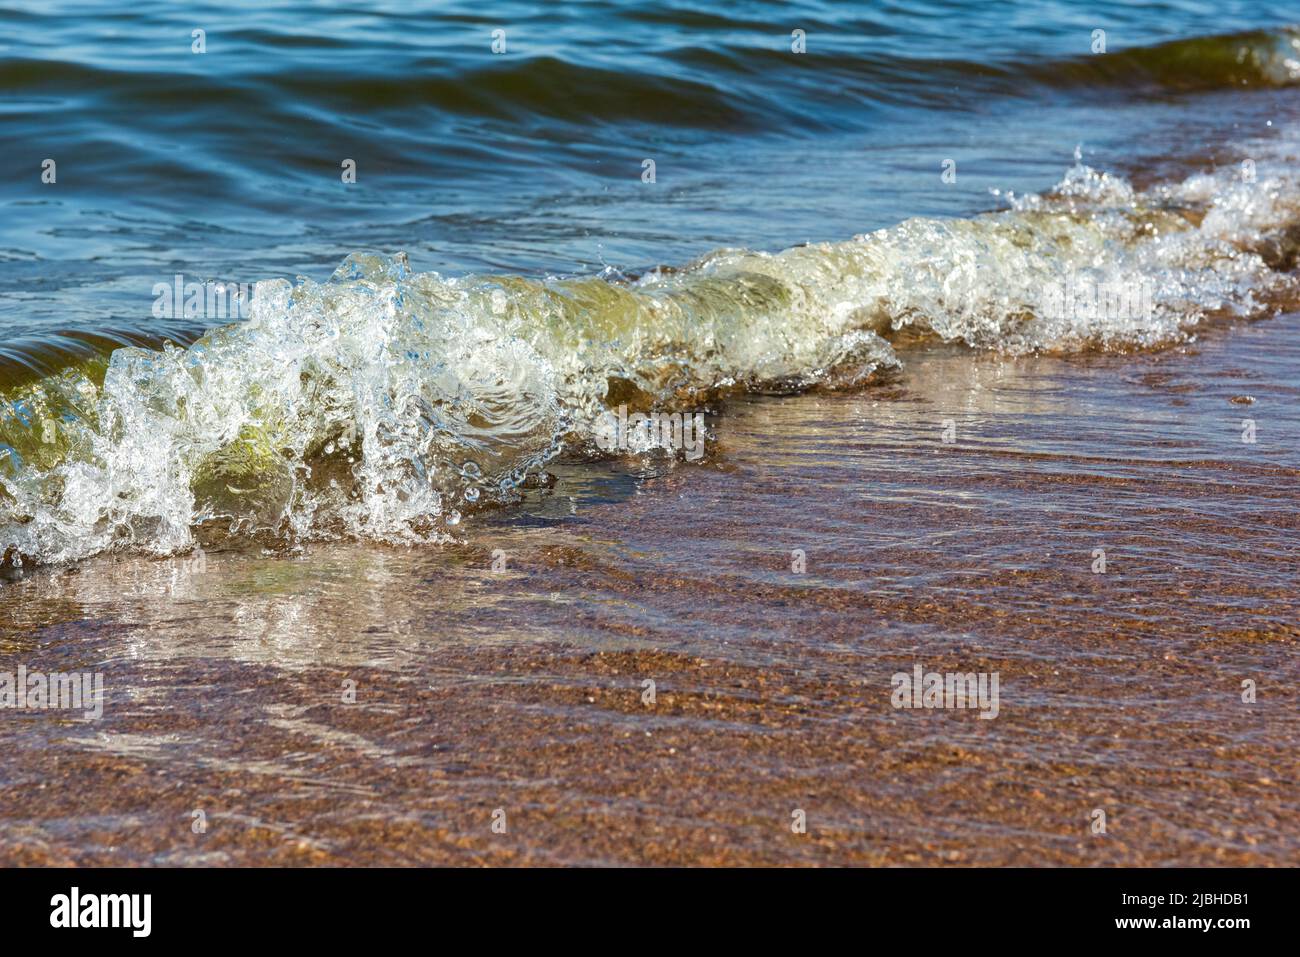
(522, 691)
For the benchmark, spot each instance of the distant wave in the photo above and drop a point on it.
(713, 86)
(1259, 58)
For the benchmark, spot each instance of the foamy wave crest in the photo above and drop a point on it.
(388, 404)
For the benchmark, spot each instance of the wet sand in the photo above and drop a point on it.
(521, 690)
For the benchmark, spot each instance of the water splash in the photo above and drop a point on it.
(386, 404)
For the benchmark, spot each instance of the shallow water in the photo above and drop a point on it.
(522, 689)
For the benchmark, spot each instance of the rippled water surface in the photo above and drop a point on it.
(227, 164)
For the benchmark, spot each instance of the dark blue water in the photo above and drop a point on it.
(227, 164)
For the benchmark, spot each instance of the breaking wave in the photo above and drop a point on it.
(388, 404)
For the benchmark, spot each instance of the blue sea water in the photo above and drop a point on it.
(529, 159)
